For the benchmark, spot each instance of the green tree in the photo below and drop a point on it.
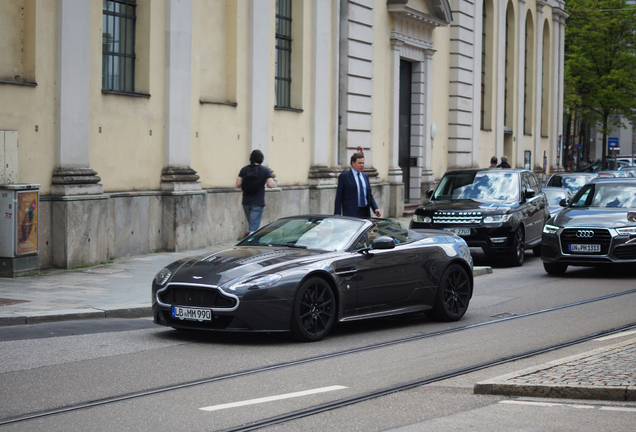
(600, 62)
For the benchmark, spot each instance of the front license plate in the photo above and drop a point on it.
(458, 231)
(191, 314)
(585, 248)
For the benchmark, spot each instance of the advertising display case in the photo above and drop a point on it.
(19, 208)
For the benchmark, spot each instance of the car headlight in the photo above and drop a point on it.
(162, 277)
(259, 282)
(626, 230)
(422, 218)
(497, 218)
(550, 229)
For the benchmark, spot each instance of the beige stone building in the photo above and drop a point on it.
(135, 116)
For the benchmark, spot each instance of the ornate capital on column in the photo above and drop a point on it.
(75, 181)
(179, 179)
(320, 175)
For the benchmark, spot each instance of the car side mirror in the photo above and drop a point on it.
(631, 216)
(383, 242)
(429, 193)
(529, 193)
(563, 202)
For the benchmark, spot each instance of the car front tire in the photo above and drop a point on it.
(314, 310)
(555, 269)
(453, 295)
(518, 249)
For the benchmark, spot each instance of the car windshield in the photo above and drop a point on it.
(573, 183)
(606, 195)
(483, 186)
(323, 233)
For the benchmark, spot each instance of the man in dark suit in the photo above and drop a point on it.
(354, 197)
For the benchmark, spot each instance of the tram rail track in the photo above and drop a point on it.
(353, 399)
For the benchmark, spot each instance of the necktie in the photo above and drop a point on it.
(360, 191)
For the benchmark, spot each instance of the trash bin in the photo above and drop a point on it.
(19, 206)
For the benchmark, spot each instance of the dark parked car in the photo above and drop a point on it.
(593, 228)
(303, 274)
(571, 181)
(500, 211)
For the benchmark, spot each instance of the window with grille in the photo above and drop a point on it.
(283, 52)
(118, 45)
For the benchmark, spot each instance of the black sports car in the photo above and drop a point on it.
(593, 229)
(304, 274)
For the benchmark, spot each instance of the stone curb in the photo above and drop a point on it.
(502, 385)
(75, 314)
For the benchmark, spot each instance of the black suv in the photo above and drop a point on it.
(501, 211)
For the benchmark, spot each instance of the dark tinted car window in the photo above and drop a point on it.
(534, 183)
(482, 186)
(606, 196)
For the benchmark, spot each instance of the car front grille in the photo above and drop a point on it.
(459, 218)
(586, 236)
(185, 295)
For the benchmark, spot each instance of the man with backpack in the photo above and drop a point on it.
(252, 180)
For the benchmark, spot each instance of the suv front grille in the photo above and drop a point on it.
(586, 236)
(460, 217)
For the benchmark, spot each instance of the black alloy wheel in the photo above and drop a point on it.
(555, 269)
(518, 248)
(314, 310)
(453, 295)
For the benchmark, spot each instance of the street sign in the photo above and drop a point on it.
(612, 143)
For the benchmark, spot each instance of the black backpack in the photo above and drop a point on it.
(252, 181)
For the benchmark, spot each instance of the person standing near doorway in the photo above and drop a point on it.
(353, 196)
(252, 180)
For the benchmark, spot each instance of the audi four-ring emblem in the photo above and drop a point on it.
(585, 233)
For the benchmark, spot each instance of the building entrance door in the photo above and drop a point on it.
(405, 125)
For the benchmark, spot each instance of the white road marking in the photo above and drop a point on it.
(545, 404)
(618, 409)
(617, 335)
(272, 398)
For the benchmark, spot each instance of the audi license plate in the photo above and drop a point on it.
(191, 314)
(590, 248)
(458, 231)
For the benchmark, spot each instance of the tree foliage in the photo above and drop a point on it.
(600, 60)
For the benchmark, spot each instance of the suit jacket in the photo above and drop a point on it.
(347, 195)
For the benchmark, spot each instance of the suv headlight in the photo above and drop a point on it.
(626, 230)
(497, 218)
(422, 218)
(550, 229)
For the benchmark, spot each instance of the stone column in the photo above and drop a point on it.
(177, 174)
(258, 75)
(556, 107)
(79, 209)
(322, 178)
(538, 93)
(521, 49)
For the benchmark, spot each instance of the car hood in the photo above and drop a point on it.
(465, 205)
(240, 261)
(587, 217)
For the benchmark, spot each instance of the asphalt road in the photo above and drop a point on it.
(131, 375)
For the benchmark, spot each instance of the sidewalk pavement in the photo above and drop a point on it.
(121, 289)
